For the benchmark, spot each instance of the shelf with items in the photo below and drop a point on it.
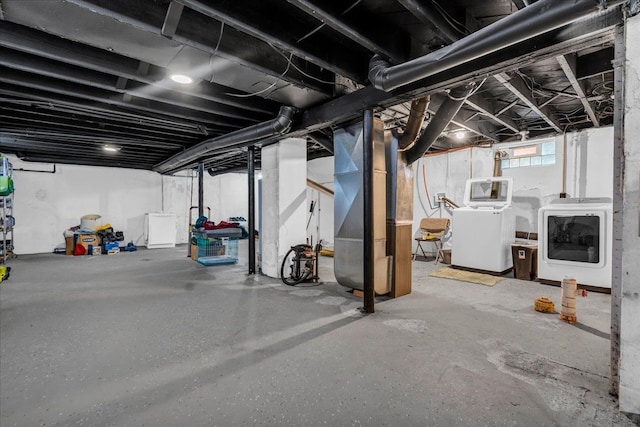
(7, 220)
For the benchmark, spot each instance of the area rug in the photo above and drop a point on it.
(466, 276)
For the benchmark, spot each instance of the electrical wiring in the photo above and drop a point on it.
(457, 25)
(302, 72)
(424, 182)
(215, 51)
(319, 27)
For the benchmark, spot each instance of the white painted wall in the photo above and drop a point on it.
(446, 173)
(321, 171)
(629, 395)
(589, 173)
(227, 196)
(47, 204)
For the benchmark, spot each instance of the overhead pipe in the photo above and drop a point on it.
(447, 111)
(536, 19)
(235, 169)
(414, 122)
(497, 171)
(278, 126)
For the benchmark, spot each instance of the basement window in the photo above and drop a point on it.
(534, 153)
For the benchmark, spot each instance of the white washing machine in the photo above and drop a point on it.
(575, 238)
(485, 227)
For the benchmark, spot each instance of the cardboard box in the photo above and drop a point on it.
(194, 252)
(69, 245)
(97, 250)
(87, 240)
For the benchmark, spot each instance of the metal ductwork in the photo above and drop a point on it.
(359, 247)
(278, 126)
(414, 122)
(439, 122)
(540, 17)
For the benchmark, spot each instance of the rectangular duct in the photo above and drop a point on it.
(399, 216)
(349, 259)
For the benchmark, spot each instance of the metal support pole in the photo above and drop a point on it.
(618, 204)
(201, 190)
(251, 208)
(367, 188)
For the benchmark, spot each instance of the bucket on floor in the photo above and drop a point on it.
(90, 222)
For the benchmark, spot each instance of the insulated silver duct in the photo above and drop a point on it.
(278, 126)
(414, 123)
(350, 258)
(540, 17)
(447, 111)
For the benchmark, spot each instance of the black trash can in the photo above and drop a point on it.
(525, 261)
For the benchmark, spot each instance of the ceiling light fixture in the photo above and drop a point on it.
(460, 134)
(181, 78)
(111, 148)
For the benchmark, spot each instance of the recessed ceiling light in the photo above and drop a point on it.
(111, 148)
(460, 134)
(181, 78)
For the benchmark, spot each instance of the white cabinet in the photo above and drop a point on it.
(160, 230)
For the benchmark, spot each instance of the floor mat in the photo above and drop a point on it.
(466, 276)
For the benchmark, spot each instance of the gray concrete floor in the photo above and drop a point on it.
(153, 338)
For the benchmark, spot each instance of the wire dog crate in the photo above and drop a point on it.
(216, 250)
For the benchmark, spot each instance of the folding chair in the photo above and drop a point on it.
(432, 230)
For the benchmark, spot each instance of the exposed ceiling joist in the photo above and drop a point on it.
(98, 112)
(87, 130)
(462, 119)
(345, 70)
(518, 87)
(568, 64)
(81, 73)
(589, 32)
(114, 98)
(382, 47)
(31, 64)
(172, 19)
(190, 45)
(487, 109)
(50, 47)
(428, 14)
(594, 64)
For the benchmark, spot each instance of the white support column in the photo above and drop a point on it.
(629, 392)
(284, 197)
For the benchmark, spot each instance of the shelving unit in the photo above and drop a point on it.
(7, 220)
